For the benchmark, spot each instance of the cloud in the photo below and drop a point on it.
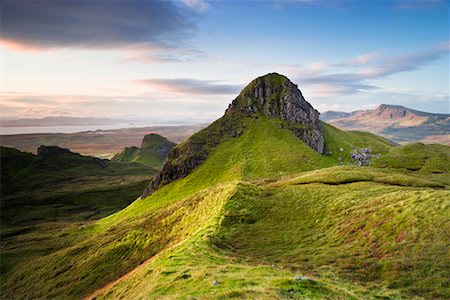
(346, 83)
(199, 5)
(408, 62)
(152, 105)
(43, 24)
(363, 59)
(191, 86)
(34, 112)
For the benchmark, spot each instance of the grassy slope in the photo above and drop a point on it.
(65, 185)
(104, 247)
(337, 139)
(356, 238)
(44, 196)
(150, 153)
(430, 158)
(181, 216)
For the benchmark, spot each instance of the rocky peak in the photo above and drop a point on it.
(153, 139)
(272, 95)
(51, 150)
(275, 96)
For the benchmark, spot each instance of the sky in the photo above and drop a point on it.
(188, 59)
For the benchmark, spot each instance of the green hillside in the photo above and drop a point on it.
(153, 151)
(57, 183)
(211, 209)
(431, 158)
(247, 209)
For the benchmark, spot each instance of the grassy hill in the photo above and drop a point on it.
(56, 190)
(256, 213)
(253, 219)
(153, 151)
(58, 183)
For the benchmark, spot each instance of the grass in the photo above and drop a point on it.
(65, 186)
(261, 209)
(339, 143)
(350, 246)
(45, 197)
(363, 231)
(188, 270)
(418, 157)
(153, 151)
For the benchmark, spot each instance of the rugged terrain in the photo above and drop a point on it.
(99, 143)
(262, 204)
(153, 151)
(397, 123)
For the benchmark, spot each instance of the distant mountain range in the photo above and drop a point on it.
(397, 123)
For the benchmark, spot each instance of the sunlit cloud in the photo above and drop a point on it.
(143, 106)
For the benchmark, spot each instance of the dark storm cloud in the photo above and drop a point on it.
(96, 23)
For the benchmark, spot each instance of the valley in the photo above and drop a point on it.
(99, 143)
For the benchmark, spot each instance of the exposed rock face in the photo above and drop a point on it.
(276, 96)
(272, 95)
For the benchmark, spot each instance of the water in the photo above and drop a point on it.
(76, 128)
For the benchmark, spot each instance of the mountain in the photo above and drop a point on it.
(265, 203)
(270, 96)
(59, 182)
(153, 151)
(331, 115)
(397, 123)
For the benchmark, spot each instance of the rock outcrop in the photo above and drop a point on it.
(51, 150)
(275, 96)
(272, 95)
(153, 151)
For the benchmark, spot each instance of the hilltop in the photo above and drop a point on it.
(153, 151)
(57, 183)
(265, 203)
(398, 123)
(272, 96)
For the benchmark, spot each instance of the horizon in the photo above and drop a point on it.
(187, 60)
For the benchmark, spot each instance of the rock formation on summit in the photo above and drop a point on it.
(273, 96)
(276, 96)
